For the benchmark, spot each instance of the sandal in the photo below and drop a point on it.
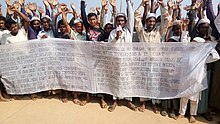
(172, 115)
(111, 108)
(163, 113)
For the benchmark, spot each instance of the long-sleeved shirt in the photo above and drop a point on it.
(128, 30)
(154, 35)
(126, 36)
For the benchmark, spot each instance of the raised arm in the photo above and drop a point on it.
(46, 4)
(83, 14)
(137, 16)
(64, 18)
(164, 17)
(130, 12)
(114, 11)
(104, 11)
(23, 17)
(146, 10)
(170, 26)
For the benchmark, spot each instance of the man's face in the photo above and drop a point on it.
(108, 28)
(120, 21)
(36, 25)
(45, 24)
(13, 29)
(93, 21)
(203, 29)
(79, 27)
(62, 28)
(151, 22)
(2, 25)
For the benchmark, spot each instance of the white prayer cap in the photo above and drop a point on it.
(176, 38)
(46, 16)
(77, 20)
(176, 22)
(34, 18)
(119, 28)
(199, 39)
(121, 14)
(108, 23)
(151, 15)
(204, 20)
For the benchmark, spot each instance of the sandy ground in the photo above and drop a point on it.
(53, 111)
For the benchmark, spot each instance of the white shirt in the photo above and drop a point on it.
(8, 38)
(48, 33)
(76, 36)
(126, 36)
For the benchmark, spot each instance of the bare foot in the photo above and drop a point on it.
(132, 106)
(192, 119)
(76, 101)
(179, 117)
(34, 97)
(64, 100)
(141, 108)
(2, 99)
(156, 110)
(103, 104)
(83, 103)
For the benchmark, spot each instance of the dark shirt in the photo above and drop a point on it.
(92, 34)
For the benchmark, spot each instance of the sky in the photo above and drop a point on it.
(95, 3)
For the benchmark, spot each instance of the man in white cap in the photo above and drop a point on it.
(127, 25)
(78, 29)
(47, 31)
(194, 99)
(203, 28)
(123, 33)
(34, 28)
(149, 32)
(178, 31)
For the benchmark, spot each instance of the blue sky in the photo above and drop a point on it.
(94, 3)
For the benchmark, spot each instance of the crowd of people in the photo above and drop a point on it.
(24, 22)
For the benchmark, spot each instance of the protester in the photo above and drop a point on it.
(121, 28)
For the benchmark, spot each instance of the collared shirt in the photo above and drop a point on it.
(49, 34)
(126, 36)
(77, 36)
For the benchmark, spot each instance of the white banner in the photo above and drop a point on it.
(152, 70)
